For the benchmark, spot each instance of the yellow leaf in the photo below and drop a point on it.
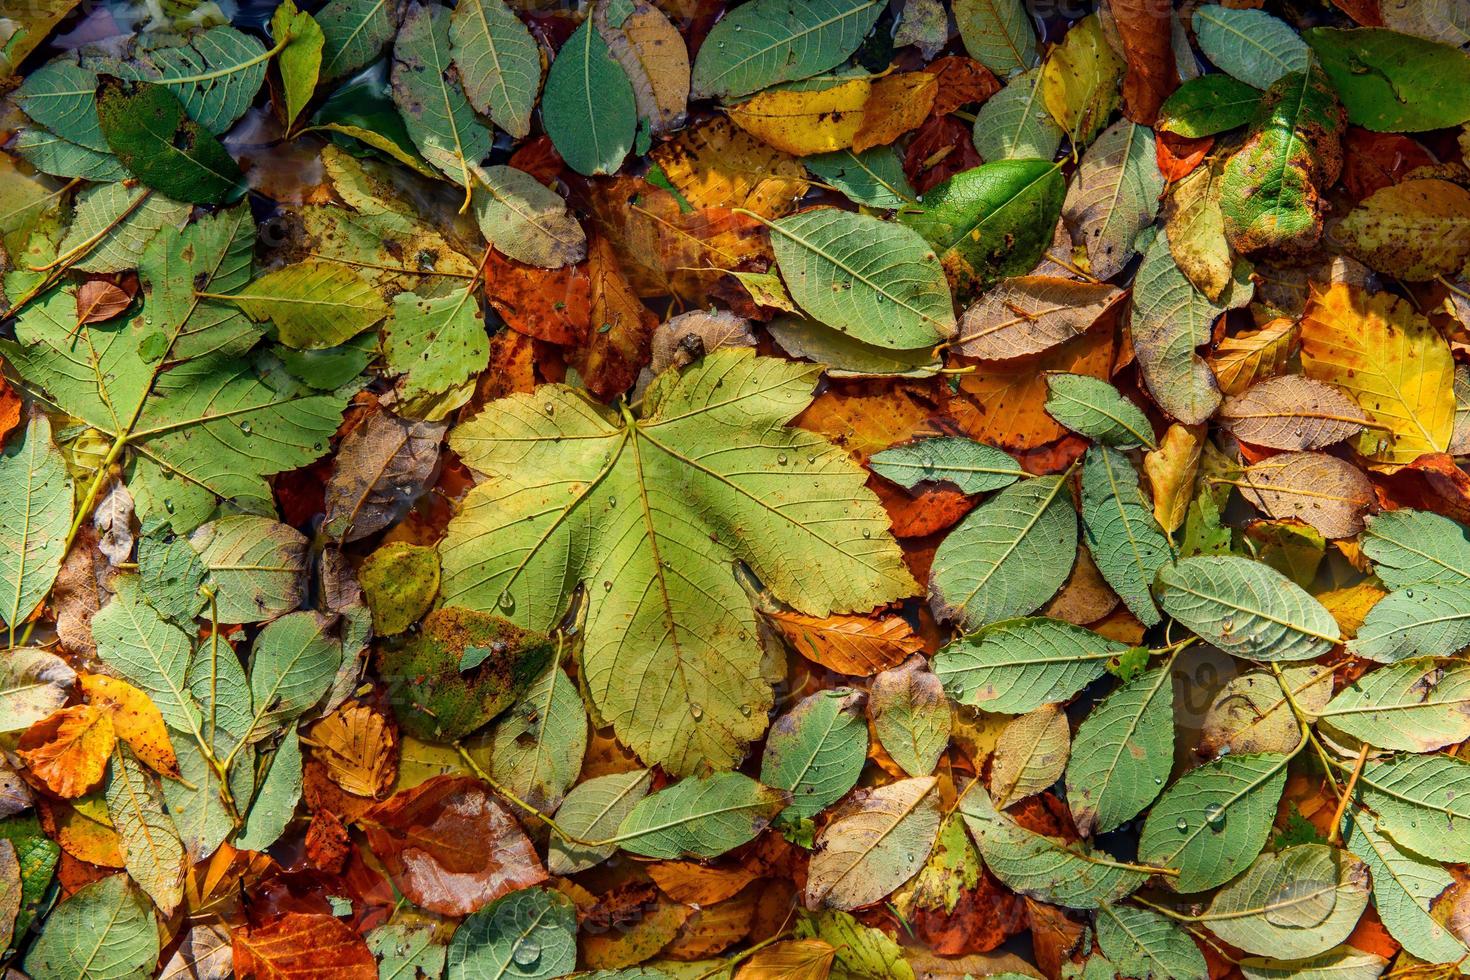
(1389, 358)
(1415, 230)
(1252, 356)
(795, 959)
(135, 720)
(1079, 81)
(355, 744)
(1171, 470)
(68, 749)
(809, 121)
(717, 165)
(854, 645)
(85, 831)
(1351, 604)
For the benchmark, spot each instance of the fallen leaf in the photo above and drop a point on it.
(853, 645)
(68, 750)
(135, 720)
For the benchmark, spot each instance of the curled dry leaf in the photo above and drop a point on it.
(98, 300)
(854, 645)
(358, 747)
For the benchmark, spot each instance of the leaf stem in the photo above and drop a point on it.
(1335, 834)
(506, 792)
(1328, 764)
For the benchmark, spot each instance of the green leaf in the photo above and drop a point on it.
(863, 953)
(1114, 196)
(1340, 963)
(785, 501)
(148, 130)
(194, 799)
(312, 304)
(997, 33)
(843, 355)
(537, 745)
(498, 62)
(51, 154)
(588, 107)
(991, 221)
(1208, 105)
(274, 806)
(971, 466)
(816, 751)
(1014, 124)
(213, 254)
(1417, 547)
(1125, 541)
(526, 220)
(592, 811)
(37, 856)
(1250, 45)
(34, 683)
(1122, 753)
(700, 816)
(408, 950)
(145, 650)
(874, 845)
(435, 110)
(256, 566)
(1410, 706)
(300, 61)
(35, 514)
(1009, 556)
(1044, 868)
(872, 279)
(105, 931)
(1146, 944)
(1169, 320)
(436, 344)
(62, 96)
(1405, 886)
(215, 73)
(1021, 664)
(151, 848)
(355, 32)
(1421, 621)
(1392, 82)
(1093, 408)
(873, 177)
(760, 44)
(910, 715)
(1293, 903)
(1215, 819)
(1246, 609)
(292, 663)
(114, 223)
(527, 935)
(1422, 802)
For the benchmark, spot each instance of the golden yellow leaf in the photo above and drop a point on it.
(1415, 230)
(1079, 80)
(135, 719)
(854, 645)
(807, 121)
(1391, 360)
(794, 959)
(68, 749)
(1350, 604)
(1252, 356)
(355, 745)
(85, 832)
(692, 883)
(1171, 471)
(717, 164)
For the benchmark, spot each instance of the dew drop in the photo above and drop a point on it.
(782, 459)
(168, 505)
(506, 601)
(245, 427)
(745, 710)
(1158, 780)
(696, 712)
(612, 501)
(527, 951)
(550, 408)
(1181, 825)
(1409, 593)
(867, 532)
(811, 459)
(1215, 817)
(606, 585)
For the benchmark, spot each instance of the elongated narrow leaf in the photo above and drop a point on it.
(1093, 408)
(872, 279)
(700, 817)
(972, 466)
(1122, 753)
(1246, 609)
(1122, 536)
(760, 44)
(1339, 963)
(1292, 412)
(1415, 705)
(497, 61)
(35, 513)
(150, 844)
(438, 116)
(1030, 314)
(1021, 664)
(1114, 196)
(1009, 556)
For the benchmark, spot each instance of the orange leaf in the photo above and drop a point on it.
(9, 408)
(358, 747)
(449, 847)
(852, 645)
(554, 305)
(303, 946)
(135, 719)
(698, 884)
(618, 346)
(68, 749)
(899, 103)
(795, 959)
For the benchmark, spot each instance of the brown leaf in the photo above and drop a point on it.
(1030, 314)
(303, 946)
(98, 300)
(382, 466)
(359, 748)
(962, 81)
(450, 847)
(1085, 597)
(629, 925)
(10, 405)
(1253, 356)
(1292, 412)
(715, 928)
(854, 645)
(940, 149)
(794, 959)
(1321, 490)
(68, 749)
(554, 305)
(1145, 27)
(622, 327)
(327, 844)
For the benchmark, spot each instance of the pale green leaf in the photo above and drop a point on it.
(592, 811)
(274, 805)
(498, 62)
(256, 566)
(1014, 124)
(706, 472)
(874, 844)
(52, 154)
(765, 42)
(1125, 541)
(62, 96)
(873, 279)
(700, 816)
(997, 33)
(151, 848)
(1093, 408)
(1417, 547)
(292, 663)
(438, 116)
(1422, 802)
(843, 355)
(1147, 945)
(436, 344)
(355, 31)
(213, 254)
(971, 466)
(588, 107)
(1021, 664)
(816, 751)
(113, 224)
(35, 514)
(312, 304)
(910, 715)
(215, 73)
(194, 800)
(1250, 45)
(1246, 609)
(1341, 963)
(1423, 620)
(527, 935)
(537, 745)
(1114, 196)
(1044, 868)
(34, 683)
(1415, 705)
(1293, 904)
(1009, 556)
(1030, 755)
(105, 931)
(1122, 753)
(525, 219)
(1215, 819)
(873, 177)
(145, 650)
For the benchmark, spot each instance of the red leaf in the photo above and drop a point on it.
(303, 946)
(1145, 26)
(941, 149)
(1179, 155)
(554, 305)
(962, 81)
(1373, 161)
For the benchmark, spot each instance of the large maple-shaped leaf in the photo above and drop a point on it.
(651, 513)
